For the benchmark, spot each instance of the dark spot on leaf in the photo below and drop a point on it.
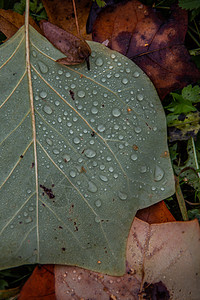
(102, 105)
(33, 164)
(93, 133)
(53, 185)
(14, 74)
(43, 204)
(63, 249)
(156, 291)
(47, 191)
(83, 151)
(60, 227)
(82, 170)
(71, 94)
(21, 156)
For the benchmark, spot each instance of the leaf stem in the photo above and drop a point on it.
(195, 156)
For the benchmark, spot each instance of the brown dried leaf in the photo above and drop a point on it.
(61, 13)
(154, 44)
(75, 48)
(11, 21)
(163, 255)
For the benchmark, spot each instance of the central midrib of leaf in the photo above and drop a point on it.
(30, 88)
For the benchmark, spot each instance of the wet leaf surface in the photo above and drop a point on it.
(154, 44)
(98, 156)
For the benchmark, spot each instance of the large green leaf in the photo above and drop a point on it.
(79, 156)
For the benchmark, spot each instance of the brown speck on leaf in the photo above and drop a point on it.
(99, 262)
(63, 249)
(47, 191)
(21, 156)
(33, 164)
(129, 109)
(165, 154)
(93, 133)
(82, 170)
(71, 94)
(135, 147)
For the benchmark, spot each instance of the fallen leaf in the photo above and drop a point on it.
(75, 48)
(157, 213)
(11, 21)
(40, 285)
(164, 257)
(61, 13)
(108, 120)
(154, 44)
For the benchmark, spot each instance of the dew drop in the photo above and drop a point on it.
(25, 214)
(30, 208)
(124, 80)
(34, 53)
(90, 153)
(111, 169)
(47, 109)
(134, 157)
(72, 174)
(81, 94)
(76, 140)
(55, 151)
(43, 68)
(116, 112)
(66, 157)
(136, 74)
(67, 74)
(113, 56)
(99, 62)
(117, 75)
(158, 173)
(138, 129)
(97, 219)
(103, 178)
(153, 188)
(108, 158)
(122, 196)
(57, 103)
(143, 169)
(28, 220)
(102, 167)
(101, 128)
(98, 203)
(92, 187)
(43, 95)
(140, 97)
(94, 110)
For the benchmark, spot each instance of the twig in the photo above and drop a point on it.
(76, 19)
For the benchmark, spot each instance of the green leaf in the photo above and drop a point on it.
(189, 4)
(79, 156)
(180, 105)
(191, 93)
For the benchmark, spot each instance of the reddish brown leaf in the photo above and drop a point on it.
(157, 213)
(61, 13)
(40, 285)
(154, 44)
(75, 48)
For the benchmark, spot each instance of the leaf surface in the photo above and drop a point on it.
(75, 170)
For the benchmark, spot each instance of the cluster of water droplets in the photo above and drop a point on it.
(95, 135)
